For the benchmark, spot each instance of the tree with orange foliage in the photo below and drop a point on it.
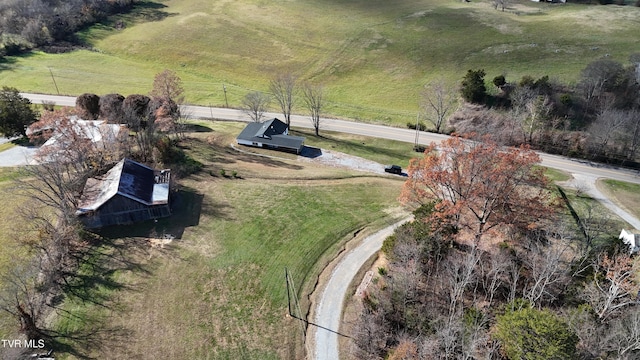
(479, 185)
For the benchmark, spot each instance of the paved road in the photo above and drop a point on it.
(380, 131)
(589, 182)
(329, 308)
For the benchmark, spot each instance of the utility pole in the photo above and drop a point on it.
(224, 88)
(54, 81)
(417, 143)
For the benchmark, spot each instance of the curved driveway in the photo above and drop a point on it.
(329, 308)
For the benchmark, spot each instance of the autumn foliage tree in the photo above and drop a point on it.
(479, 185)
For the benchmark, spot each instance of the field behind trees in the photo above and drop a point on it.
(373, 57)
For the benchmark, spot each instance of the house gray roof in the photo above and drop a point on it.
(130, 179)
(271, 132)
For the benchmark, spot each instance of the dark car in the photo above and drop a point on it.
(393, 169)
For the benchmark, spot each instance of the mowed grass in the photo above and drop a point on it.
(218, 291)
(10, 227)
(373, 57)
(602, 224)
(626, 195)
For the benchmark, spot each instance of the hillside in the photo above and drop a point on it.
(372, 56)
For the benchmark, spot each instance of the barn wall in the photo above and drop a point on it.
(121, 210)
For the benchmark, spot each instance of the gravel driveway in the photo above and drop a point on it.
(338, 159)
(17, 156)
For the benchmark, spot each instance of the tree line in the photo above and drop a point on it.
(27, 24)
(598, 118)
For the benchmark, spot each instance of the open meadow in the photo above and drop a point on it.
(372, 57)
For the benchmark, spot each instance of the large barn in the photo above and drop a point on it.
(130, 192)
(272, 134)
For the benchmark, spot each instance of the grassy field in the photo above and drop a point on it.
(218, 290)
(626, 195)
(373, 57)
(12, 253)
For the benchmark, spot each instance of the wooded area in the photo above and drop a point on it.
(596, 119)
(51, 24)
(493, 268)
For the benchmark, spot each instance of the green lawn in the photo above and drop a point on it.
(626, 195)
(373, 57)
(601, 224)
(10, 229)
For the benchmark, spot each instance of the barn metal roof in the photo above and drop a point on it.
(130, 179)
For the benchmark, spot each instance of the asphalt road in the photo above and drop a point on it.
(379, 131)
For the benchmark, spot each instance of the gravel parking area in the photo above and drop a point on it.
(338, 159)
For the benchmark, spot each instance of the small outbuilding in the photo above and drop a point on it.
(129, 192)
(271, 134)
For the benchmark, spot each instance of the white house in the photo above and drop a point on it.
(631, 239)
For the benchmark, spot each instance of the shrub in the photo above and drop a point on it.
(566, 99)
(527, 81)
(499, 81)
(421, 126)
(473, 88)
(531, 334)
(388, 244)
(223, 173)
(88, 106)
(111, 108)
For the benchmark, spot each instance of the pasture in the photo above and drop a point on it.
(372, 57)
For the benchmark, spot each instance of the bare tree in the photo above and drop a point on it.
(612, 287)
(460, 272)
(623, 337)
(167, 85)
(283, 88)
(633, 132)
(313, 99)
(530, 109)
(438, 101)
(547, 269)
(494, 273)
(610, 129)
(514, 277)
(255, 104)
(597, 79)
(20, 298)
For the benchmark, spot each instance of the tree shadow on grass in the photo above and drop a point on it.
(91, 295)
(196, 128)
